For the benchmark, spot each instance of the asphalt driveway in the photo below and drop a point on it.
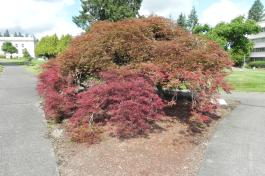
(24, 147)
(238, 146)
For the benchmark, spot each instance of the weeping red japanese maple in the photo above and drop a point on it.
(113, 73)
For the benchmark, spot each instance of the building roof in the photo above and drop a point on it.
(14, 39)
(257, 36)
(262, 23)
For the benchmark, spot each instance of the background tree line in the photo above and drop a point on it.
(15, 34)
(51, 46)
(231, 36)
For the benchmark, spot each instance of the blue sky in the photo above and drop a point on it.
(45, 17)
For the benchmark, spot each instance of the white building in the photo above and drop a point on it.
(20, 43)
(258, 52)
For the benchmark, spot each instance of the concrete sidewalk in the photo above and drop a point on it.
(24, 147)
(238, 146)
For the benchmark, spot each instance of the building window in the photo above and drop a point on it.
(257, 59)
(22, 45)
(259, 40)
(259, 50)
(16, 45)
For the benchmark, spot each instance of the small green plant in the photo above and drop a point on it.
(257, 64)
(26, 55)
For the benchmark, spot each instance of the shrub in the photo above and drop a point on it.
(130, 42)
(109, 75)
(257, 64)
(151, 41)
(126, 100)
(58, 92)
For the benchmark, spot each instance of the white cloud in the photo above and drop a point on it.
(222, 11)
(36, 16)
(44, 17)
(166, 8)
(60, 28)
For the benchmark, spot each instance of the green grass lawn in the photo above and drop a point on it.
(35, 66)
(247, 80)
(20, 61)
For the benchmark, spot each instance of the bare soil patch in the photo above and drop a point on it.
(174, 151)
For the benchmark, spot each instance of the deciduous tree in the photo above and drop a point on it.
(51, 46)
(201, 29)
(7, 47)
(109, 75)
(47, 46)
(233, 37)
(63, 43)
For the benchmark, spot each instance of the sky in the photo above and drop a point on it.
(46, 17)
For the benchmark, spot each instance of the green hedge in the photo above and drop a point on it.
(257, 64)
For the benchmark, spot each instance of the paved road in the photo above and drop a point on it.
(238, 146)
(24, 148)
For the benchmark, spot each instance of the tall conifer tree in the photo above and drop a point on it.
(256, 12)
(193, 20)
(112, 10)
(182, 21)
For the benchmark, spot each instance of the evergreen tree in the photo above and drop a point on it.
(193, 20)
(182, 21)
(256, 12)
(1, 34)
(20, 35)
(26, 54)
(15, 34)
(6, 34)
(113, 10)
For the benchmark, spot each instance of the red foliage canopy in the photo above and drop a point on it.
(143, 53)
(128, 101)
